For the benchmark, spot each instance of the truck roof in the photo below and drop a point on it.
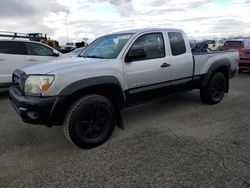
(147, 30)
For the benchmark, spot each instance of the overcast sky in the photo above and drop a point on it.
(92, 18)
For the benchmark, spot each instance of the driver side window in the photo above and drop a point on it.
(152, 44)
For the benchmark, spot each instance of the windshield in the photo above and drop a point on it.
(106, 47)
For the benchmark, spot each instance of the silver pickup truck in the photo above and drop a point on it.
(86, 94)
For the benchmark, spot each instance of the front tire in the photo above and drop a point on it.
(90, 122)
(214, 90)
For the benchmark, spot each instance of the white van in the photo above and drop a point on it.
(15, 54)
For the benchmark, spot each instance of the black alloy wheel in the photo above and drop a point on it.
(90, 122)
(218, 89)
(214, 91)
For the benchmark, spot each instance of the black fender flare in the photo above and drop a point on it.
(89, 83)
(214, 68)
(70, 93)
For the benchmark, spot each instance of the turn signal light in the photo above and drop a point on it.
(45, 86)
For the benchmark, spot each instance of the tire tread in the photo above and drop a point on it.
(205, 93)
(75, 107)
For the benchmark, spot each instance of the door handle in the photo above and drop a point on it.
(31, 59)
(164, 65)
(2, 59)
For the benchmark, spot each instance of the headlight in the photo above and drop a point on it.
(38, 83)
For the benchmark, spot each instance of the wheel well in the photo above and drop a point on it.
(223, 69)
(110, 91)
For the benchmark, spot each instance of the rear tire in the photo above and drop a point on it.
(90, 122)
(214, 90)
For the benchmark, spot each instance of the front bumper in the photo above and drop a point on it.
(35, 110)
(244, 63)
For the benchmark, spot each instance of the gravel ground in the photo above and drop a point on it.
(173, 142)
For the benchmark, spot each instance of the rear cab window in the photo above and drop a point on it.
(12, 47)
(177, 43)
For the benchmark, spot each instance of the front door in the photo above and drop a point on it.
(151, 72)
(38, 53)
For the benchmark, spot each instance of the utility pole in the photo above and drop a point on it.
(66, 24)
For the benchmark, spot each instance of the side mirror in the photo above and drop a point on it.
(55, 54)
(135, 54)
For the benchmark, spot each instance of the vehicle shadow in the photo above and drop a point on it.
(245, 72)
(159, 110)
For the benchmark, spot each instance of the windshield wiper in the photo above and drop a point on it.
(92, 56)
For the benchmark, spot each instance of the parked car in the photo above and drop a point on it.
(76, 52)
(215, 44)
(69, 46)
(114, 72)
(238, 44)
(244, 62)
(15, 54)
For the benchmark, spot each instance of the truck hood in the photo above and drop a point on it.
(63, 63)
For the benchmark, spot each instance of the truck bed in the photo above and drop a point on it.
(203, 60)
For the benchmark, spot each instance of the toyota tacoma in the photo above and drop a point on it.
(87, 94)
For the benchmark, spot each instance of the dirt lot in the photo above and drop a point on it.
(174, 142)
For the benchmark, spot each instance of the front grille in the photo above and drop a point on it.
(18, 79)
